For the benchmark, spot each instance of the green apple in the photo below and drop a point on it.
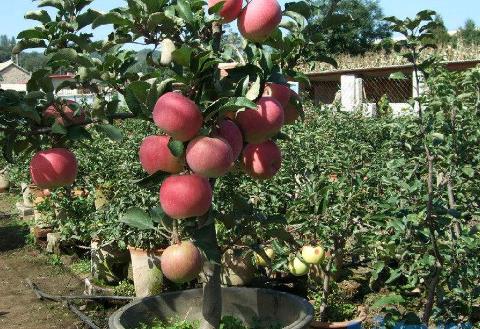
(297, 267)
(313, 255)
(261, 261)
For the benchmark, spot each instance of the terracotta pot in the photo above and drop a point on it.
(237, 269)
(352, 324)
(4, 183)
(108, 263)
(147, 275)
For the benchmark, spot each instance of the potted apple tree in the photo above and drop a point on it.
(219, 121)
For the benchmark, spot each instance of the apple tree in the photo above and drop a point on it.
(220, 110)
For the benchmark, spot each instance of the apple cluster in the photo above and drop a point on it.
(297, 265)
(244, 136)
(57, 167)
(256, 21)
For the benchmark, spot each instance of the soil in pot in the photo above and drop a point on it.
(147, 274)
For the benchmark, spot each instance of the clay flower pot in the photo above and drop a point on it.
(108, 262)
(4, 182)
(147, 275)
(237, 270)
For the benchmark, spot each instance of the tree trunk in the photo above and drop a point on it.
(212, 291)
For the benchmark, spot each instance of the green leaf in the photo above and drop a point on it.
(469, 171)
(153, 179)
(67, 54)
(58, 129)
(137, 218)
(158, 215)
(52, 3)
(32, 34)
(215, 9)
(300, 7)
(254, 91)
(176, 147)
(166, 24)
(111, 18)
(87, 18)
(136, 95)
(112, 132)
(39, 15)
(76, 133)
(185, 11)
(28, 44)
(392, 299)
(182, 56)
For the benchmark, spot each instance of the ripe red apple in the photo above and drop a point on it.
(291, 112)
(178, 116)
(209, 157)
(53, 168)
(181, 262)
(259, 19)
(261, 123)
(281, 93)
(64, 114)
(184, 196)
(229, 131)
(230, 10)
(155, 156)
(262, 161)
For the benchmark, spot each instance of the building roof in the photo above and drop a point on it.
(383, 70)
(9, 63)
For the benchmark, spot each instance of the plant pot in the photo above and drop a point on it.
(108, 263)
(237, 269)
(4, 183)
(253, 306)
(147, 275)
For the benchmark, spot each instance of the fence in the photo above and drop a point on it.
(367, 86)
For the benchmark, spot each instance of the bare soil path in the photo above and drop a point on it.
(19, 260)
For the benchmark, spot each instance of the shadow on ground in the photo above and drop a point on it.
(12, 233)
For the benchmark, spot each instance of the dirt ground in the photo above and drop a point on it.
(19, 260)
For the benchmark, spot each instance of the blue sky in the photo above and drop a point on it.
(454, 12)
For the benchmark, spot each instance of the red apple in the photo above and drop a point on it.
(229, 131)
(181, 262)
(53, 168)
(209, 157)
(230, 10)
(291, 112)
(184, 196)
(262, 123)
(281, 93)
(262, 161)
(178, 116)
(259, 19)
(155, 156)
(64, 114)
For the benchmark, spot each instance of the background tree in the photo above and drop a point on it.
(470, 33)
(6, 46)
(358, 24)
